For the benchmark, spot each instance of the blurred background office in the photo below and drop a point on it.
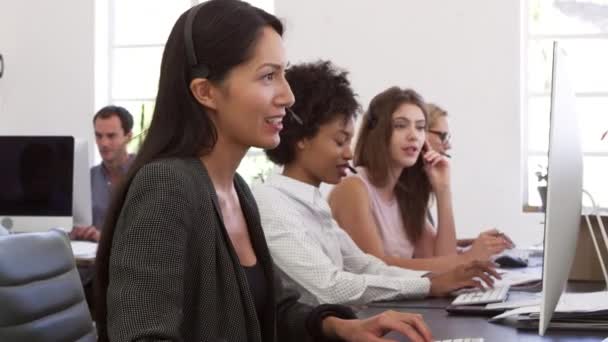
(487, 61)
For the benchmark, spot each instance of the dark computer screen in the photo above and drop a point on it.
(36, 175)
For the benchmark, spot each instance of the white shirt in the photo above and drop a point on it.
(317, 258)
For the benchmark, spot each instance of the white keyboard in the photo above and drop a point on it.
(466, 339)
(494, 295)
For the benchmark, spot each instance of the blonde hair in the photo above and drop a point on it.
(435, 112)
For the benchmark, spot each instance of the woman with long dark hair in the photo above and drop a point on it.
(182, 255)
(384, 207)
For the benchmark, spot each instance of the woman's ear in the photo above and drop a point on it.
(302, 144)
(204, 92)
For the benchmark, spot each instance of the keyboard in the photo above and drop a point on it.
(494, 295)
(466, 339)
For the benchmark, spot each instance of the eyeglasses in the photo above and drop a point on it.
(443, 136)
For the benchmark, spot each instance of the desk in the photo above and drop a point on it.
(446, 326)
(84, 252)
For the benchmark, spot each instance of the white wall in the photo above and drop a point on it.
(48, 85)
(464, 55)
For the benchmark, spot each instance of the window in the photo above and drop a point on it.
(130, 38)
(582, 29)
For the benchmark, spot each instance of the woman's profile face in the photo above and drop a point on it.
(251, 100)
(325, 156)
(409, 126)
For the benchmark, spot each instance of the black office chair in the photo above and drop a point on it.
(41, 296)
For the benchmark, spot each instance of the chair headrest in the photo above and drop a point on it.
(31, 256)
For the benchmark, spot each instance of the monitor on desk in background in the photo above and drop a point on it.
(82, 208)
(36, 182)
(564, 189)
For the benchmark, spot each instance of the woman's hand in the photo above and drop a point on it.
(437, 168)
(472, 274)
(374, 328)
(487, 244)
(88, 233)
(498, 234)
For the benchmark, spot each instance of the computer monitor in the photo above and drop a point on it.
(82, 209)
(564, 189)
(36, 182)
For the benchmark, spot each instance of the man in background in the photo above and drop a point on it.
(113, 130)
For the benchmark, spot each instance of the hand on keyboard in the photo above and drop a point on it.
(473, 274)
(373, 328)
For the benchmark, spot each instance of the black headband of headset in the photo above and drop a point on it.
(196, 70)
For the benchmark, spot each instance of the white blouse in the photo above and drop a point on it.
(317, 258)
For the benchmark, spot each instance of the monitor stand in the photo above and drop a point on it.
(29, 224)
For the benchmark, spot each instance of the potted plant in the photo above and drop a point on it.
(541, 175)
(137, 140)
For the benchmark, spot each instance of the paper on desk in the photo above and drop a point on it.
(517, 277)
(568, 303)
(538, 248)
(84, 249)
(514, 304)
(515, 312)
(583, 302)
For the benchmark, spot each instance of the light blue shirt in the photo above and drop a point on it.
(101, 191)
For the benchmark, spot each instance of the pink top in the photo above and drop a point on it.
(388, 220)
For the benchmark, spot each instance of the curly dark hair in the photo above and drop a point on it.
(322, 92)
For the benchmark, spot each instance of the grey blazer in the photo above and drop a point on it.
(174, 275)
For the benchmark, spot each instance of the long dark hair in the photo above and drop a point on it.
(224, 33)
(413, 188)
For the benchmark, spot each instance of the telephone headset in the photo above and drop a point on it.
(201, 70)
(196, 70)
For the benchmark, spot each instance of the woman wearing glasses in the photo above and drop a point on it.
(438, 130)
(439, 139)
(384, 207)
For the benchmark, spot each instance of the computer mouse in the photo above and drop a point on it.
(508, 261)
